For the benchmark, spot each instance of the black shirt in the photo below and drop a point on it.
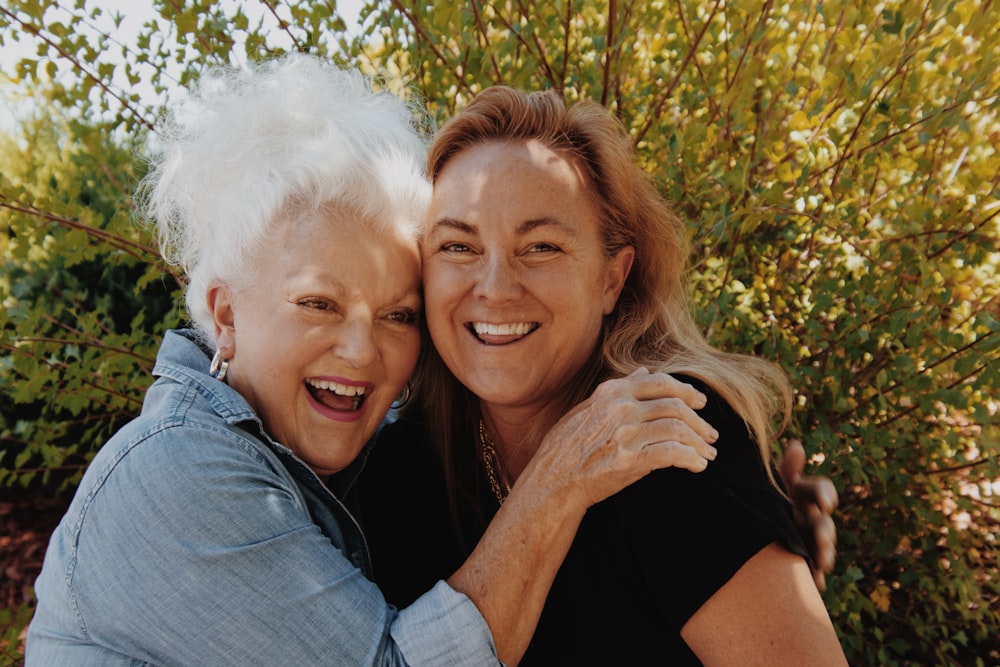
(642, 563)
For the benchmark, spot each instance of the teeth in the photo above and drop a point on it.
(485, 328)
(337, 388)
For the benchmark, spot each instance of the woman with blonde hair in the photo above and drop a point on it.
(552, 264)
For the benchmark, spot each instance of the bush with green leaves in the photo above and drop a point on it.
(837, 163)
(85, 299)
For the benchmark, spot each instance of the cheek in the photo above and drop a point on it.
(437, 319)
(402, 356)
(441, 289)
(585, 305)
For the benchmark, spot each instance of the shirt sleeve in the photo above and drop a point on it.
(687, 534)
(193, 549)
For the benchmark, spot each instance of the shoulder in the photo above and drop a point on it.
(706, 525)
(717, 411)
(168, 484)
(740, 460)
(179, 433)
(738, 477)
(171, 465)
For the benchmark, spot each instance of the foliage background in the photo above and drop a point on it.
(837, 163)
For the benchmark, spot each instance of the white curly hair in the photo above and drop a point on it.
(250, 145)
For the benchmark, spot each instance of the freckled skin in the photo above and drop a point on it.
(514, 238)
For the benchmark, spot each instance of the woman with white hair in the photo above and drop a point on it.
(212, 530)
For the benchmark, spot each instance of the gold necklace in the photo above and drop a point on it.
(491, 462)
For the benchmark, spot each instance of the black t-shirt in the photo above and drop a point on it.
(642, 563)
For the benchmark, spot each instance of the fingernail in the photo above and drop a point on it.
(714, 435)
(714, 452)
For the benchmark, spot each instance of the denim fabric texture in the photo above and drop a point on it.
(194, 539)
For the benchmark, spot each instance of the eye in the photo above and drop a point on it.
(316, 303)
(404, 316)
(538, 248)
(455, 248)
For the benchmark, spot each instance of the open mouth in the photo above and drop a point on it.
(501, 334)
(337, 396)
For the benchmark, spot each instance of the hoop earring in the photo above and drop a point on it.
(404, 396)
(219, 367)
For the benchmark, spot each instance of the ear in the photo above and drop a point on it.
(220, 302)
(618, 270)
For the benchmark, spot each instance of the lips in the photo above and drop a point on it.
(336, 395)
(503, 333)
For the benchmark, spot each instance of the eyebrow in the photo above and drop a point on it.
(522, 229)
(339, 289)
(452, 223)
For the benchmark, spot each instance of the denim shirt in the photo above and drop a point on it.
(195, 539)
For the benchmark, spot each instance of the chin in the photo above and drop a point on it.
(502, 397)
(332, 462)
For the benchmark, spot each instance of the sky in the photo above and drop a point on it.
(134, 14)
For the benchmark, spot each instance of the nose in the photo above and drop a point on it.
(356, 343)
(497, 279)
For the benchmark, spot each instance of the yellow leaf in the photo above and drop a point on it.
(799, 121)
(785, 174)
(880, 596)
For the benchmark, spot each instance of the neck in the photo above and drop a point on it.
(516, 435)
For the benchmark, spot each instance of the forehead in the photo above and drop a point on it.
(338, 243)
(523, 179)
(513, 157)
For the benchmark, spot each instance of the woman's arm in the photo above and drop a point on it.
(193, 546)
(625, 430)
(769, 613)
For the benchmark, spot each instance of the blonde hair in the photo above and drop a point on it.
(651, 325)
(270, 144)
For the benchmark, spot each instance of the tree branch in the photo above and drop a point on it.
(34, 30)
(136, 250)
(657, 108)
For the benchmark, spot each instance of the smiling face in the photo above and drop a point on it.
(515, 276)
(323, 339)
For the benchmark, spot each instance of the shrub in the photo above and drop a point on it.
(836, 162)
